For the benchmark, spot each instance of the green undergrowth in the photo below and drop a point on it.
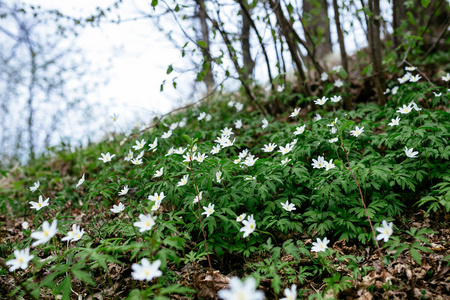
(277, 253)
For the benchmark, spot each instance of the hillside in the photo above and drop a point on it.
(223, 188)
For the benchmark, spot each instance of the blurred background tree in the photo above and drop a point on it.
(43, 85)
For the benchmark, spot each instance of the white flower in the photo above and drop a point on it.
(146, 222)
(394, 90)
(136, 161)
(335, 99)
(179, 150)
(269, 147)
(146, 271)
(115, 117)
(123, 141)
(74, 235)
(265, 123)
(173, 126)
(38, 205)
(410, 152)
(324, 76)
(182, 123)
(300, 130)
(238, 124)
(319, 163)
(208, 117)
(248, 178)
(336, 68)
(338, 83)
(129, 156)
(153, 145)
(159, 172)
(249, 226)
(208, 210)
(117, 208)
(286, 150)
(124, 191)
(395, 122)
(236, 161)
(188, 157)
(200, 157)
(250, 161)
(317, 117)
(385, 231)
(215, 149)
(243, 154)
(80, 182)
(106, 157)
(139, 145)
(35, 187)
(48, 231)
(414, 106)
(333, 140)
(329, 165)
(357, 131)
(25, 225)
(157, 197)
(320, 245)
(410, 68)
(227, 131)
(405, 109)
(437, 94)
(446, 77)
(285, 161)
(198, 197)
(183, 180)
(231, 103)
(295, 112)
(241, 291)
(415, 78)
(288, 206)
(201, 116)
(21, 260)
(218, 176)
(170, 152)
(167, 134)
(241, 217)
(387, 91)
(291, 294)
(321, 101)
(156, 206)
(239, 106)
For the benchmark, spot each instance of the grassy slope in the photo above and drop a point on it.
(278, 253)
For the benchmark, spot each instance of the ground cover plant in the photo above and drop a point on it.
(223, 201)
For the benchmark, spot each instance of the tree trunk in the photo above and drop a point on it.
(208, 79)
(249, 64)
(375, 50)
(317, 24)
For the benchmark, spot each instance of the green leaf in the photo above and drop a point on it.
(83, 276)
(425, 3)
(416, 256)
(202, 44)
(169, 69)
(367, 70)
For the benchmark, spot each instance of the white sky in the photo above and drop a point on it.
(137, 55)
